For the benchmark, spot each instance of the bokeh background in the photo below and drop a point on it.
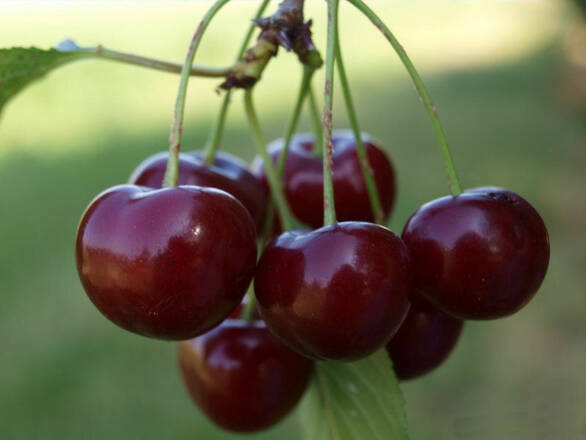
(510, 84)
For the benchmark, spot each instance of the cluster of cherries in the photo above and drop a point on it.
(175, 263)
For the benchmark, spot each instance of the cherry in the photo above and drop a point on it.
(338, 292)
(168, 263)
(242, 377)
(303, 178)
(424, 340)
(227, 173)
(480, 255)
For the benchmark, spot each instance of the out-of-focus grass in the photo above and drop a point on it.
(66, 373)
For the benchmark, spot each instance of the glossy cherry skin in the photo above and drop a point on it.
(242, 377)
(169, 263)
(424, 340)
(480, 255)
(303, 178)
(227, 173)
(338, 292)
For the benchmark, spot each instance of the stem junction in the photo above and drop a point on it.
(284, 28)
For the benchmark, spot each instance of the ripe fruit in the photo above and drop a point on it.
(480, 255)
(303, 178)
(168, 263)
(227, 173)
(242, 377)
(424, 340)
(339, 292)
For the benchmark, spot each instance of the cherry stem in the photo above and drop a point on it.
(304, 88)
(454, 184)
(367, 174)
(215, 137)
(318, 146)
(171, 174)
(137, 60)
(294, 121)
(274, 182)
(248, 312)
(329, 204)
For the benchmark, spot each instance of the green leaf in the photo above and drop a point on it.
(19, 66)
(355, 401)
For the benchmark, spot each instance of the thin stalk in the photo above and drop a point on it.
(171, 173)
(318, 134)
(274, 182)
(292, 126)
(248, 312)
(304, 88)
(367, 174)
(215, 137)
(137, 60)
(455, 186)
(329, 204)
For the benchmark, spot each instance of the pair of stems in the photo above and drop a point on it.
(334, 54)
(334, 57)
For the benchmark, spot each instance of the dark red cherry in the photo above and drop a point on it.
(168, 263)
(480, 255)
(339, 292)
(227, 173)
(303, 178)
(424, 340)
(242, 377)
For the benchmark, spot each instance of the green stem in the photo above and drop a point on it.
(248, 312)
(318, 134)
(171, 173)
(215, 137)
(292, 126)
(127, 58)
(304, 88)
(455, 186)
(272, 177)
(367, 174)
(329, 204)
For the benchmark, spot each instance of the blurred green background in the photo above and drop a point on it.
(510, 87)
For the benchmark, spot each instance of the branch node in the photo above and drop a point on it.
(285, 28)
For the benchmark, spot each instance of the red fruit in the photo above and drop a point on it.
(424, 340)
(169, 263)
(227, 173)
(242, 377)
(339, 292)
(303, 178)
(480, 255)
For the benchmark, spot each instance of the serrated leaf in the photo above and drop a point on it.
(355, 401)
(19, 66)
